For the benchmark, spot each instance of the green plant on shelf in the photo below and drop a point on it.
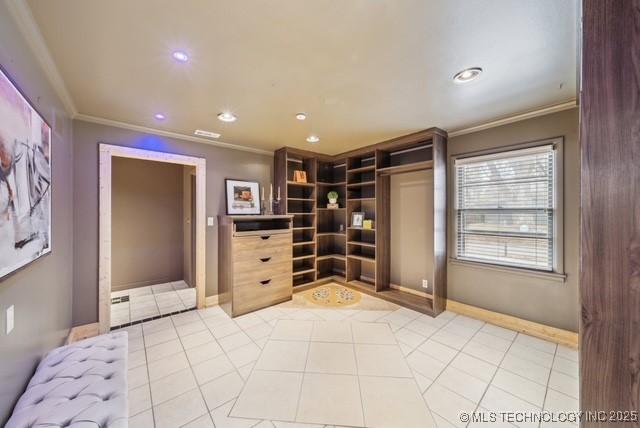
(332, 196)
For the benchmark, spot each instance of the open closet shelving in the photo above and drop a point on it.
(328, 248)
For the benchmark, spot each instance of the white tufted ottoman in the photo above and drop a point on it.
(79, 385)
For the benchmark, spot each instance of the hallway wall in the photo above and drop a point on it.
(41, 291)
(147, 223)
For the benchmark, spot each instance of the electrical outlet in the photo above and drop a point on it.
(211, 221)
(9, 323)
(425, 283)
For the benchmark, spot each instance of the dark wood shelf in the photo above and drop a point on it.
(409, 300)
(326, 183)
(295, 183)
(361, 258)
(409, 167)
(330, 209)
(304, 243)
(301, 199)
(362, 244)
(361, 228)
(331, 275)
(362, 285)
(306, 256)
(331, 256)
(362, 169)
(302, 280)
(302, 213)
(331, 234)
(362, 184)
(304, 228)
(303, 270)
(360, 199)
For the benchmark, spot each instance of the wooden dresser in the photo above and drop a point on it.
(254, 262)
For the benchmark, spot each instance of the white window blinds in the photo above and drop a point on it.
(505, 208)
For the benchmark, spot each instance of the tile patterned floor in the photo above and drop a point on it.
(152, 301)
(295, 366)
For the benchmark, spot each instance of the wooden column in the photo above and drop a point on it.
(610, 208)
(439, 223)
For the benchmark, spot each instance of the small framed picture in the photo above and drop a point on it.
(242, 197)
(357, 218)
(300, 176)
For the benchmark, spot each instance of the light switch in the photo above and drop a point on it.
(211, 221)
(9, 323)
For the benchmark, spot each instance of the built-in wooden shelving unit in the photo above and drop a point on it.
(327, 247)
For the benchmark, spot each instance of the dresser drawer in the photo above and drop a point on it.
(265, 259)
(255, 294)
(255, 242)
(253, 272)
(279, 251)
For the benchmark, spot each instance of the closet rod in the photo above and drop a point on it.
(412, 149)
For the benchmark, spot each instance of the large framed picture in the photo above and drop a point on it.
(25, 180)
(243, 197)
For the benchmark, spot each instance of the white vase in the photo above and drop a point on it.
(333, 201)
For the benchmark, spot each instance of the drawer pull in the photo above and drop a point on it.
(265, 237)
(265, 282)
(265, 259)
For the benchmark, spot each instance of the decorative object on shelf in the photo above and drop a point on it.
(300, 176)
(333, 200)
(242, 197)
(357, 218)
(367, 224)
(25, 180)
(341, 229)
(273, 204)
(333, 295)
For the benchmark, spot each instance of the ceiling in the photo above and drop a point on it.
(363, 70)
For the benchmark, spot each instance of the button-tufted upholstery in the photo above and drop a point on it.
(79, 385)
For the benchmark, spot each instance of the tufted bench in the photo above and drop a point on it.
(79, 385)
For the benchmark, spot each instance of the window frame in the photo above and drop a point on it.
(558, 212)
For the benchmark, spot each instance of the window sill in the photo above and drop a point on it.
(550, 276)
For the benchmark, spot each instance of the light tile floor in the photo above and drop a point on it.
(152, 301)
(375, 365)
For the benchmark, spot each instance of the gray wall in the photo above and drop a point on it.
(221, 163)
(411, 236)
(146, 223)
(40, 292)
(532, 298)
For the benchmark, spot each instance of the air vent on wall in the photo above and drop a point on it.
(208, 134)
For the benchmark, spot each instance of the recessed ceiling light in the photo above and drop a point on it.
(159, 116)
(313, 138)
(301, 116)
(227, 117)
(180, 56)
(467, 75)
(208, 134)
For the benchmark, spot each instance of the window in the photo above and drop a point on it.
(505, 208)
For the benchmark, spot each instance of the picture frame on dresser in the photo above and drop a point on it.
(242, 197)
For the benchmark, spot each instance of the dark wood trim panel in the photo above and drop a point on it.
(439, 282)
(280, 178)
(610, 209)
(398, 143)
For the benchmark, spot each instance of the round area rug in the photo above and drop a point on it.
(332, 295)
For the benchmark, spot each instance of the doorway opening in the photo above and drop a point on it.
(152, 235)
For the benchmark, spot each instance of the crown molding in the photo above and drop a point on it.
(23, 17)
(566, 105)
(169, 134)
